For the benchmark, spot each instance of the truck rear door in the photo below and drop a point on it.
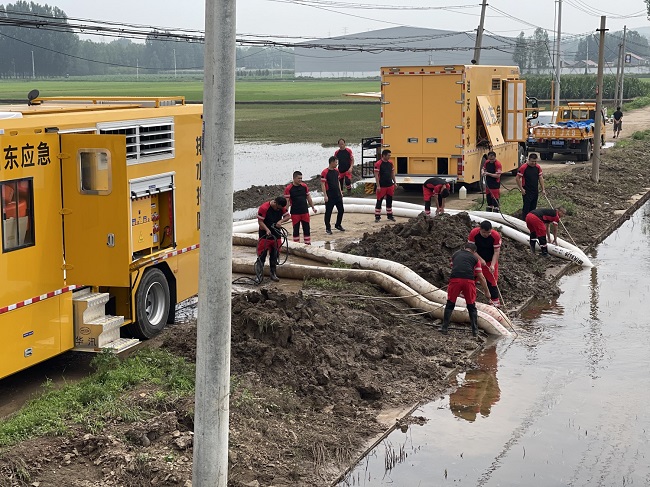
(95, 209)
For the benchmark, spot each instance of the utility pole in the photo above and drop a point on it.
(479, 36)
(33, 67)
(137, 69)
(595, 165)
(587, 60)
(558, 64)
(212, 403)
(620, 97)
(619, 60)
(174, 62)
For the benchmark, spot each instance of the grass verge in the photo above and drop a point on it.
(89, 402)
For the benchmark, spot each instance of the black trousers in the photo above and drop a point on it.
(530, 203)
(329, 206)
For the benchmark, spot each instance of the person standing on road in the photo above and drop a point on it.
(466, 269)
(488, 247)
(329, 183)
(618, 122)
(438, 188)
(385, 180)
(346, 161)
(492, 172)
(298, 197)
(538, 222)
(270, 216)
(529, 177)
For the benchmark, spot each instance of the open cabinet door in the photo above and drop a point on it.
(95, 209)
(490, 121)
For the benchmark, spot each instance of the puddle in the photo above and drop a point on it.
(267, 163)
(565, 404)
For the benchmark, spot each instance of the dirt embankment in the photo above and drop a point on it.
(312, 371)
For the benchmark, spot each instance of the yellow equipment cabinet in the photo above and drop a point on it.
(441, 121)
(100, 222)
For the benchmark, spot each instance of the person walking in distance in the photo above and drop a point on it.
(465, 270)
(488, 248)
(385, 180)
(492, 173)
(298, 197)
(618, 122)
(529, 177)
(437, 188)
(346, 161)
(538, 222)
(329, 182)
(270, 216)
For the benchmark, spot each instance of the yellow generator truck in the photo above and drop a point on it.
(442, 120)
(100, 222)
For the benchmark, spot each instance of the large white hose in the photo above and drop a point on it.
(571, 253)
(394, 269)
(387, 283)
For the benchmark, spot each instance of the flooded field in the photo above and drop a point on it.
(564, 404)
(264, 163)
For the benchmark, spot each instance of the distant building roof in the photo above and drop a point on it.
(369, 51)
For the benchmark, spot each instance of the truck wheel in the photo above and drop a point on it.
(543, 156)
(590, 151)
(152, 304)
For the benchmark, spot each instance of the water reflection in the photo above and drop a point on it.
(479, 390)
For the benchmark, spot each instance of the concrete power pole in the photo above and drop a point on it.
(620, 97)
(619, 61)
(595, 165)
(558, 64)
(479, 36)
(212, 403)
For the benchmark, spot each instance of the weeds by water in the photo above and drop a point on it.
(91, 401)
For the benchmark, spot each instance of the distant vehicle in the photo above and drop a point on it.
(543, 118)
(573, 134)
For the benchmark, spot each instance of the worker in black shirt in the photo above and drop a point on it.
(346, 161)
(492, 173)
(529, 177)
(329, 182)
(466, 269)
(298, 197)
(270, 216)
(618, 122)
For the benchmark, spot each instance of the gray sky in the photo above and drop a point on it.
(333, 17)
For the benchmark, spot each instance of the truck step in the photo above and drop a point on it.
(98, 332)
(90, 306)
(116, 346)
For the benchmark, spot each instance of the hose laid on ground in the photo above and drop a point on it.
(394, 269)
(387, 283)
(564, 250)
(580, 257)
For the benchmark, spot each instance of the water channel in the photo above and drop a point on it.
(564, 404)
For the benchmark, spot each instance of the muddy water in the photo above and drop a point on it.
(564, 404)
(264, 163)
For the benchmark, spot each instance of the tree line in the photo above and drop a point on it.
(535, 53)
(43, 52)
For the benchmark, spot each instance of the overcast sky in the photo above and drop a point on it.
(337, 17)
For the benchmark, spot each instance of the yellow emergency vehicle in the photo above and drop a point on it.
(99, 198)
(441, 120)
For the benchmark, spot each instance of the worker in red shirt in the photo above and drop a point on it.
(346, 161)
(492, 173)
(385, 180)
(298, 197)
(465, 271)
(529, 177)
(488, 247)
(270, 216)
(438, 188)
(538, 222)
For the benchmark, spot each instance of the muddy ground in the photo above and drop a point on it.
(313, 371)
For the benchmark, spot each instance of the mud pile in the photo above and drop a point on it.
(426, 245)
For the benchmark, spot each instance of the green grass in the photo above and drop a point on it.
(323, 124)
(641, 134)
(191, 88)
(89, 402)
(641, 102)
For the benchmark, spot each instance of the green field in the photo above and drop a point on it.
(322, 123)
(192, 89)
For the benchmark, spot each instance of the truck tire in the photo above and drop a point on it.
(152, 301)
(590, 151)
